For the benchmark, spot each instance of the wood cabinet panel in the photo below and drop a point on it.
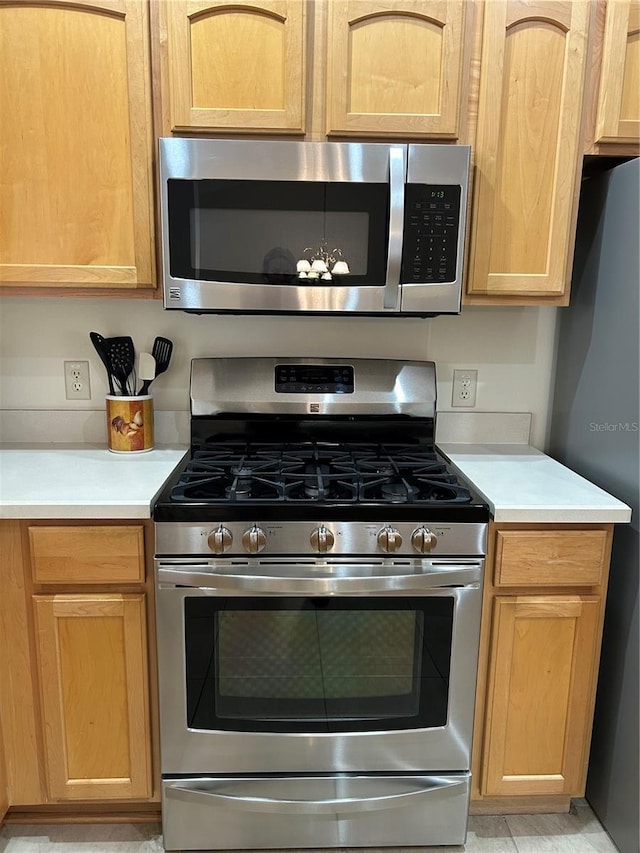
(87, 554)
(94, 685)
(4, 779)
(527, 148)
(4, 782)
(18, 694)
(618, 117)
(236, 66)
(541, 683)
(550, 558)
(395, 68)
(75, 149)
(543, 605)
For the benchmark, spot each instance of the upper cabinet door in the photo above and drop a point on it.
(395, 67)
(75, 145)
(619, 98)
(528, 149)
(236, 65)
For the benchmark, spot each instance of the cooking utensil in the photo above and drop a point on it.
(146, 371)
(99, 343)
(161, 351)
(122, 356)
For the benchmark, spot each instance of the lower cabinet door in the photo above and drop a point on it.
(541, 694)
(92, 659)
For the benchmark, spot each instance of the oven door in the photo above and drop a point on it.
(243, 221)
(322, 666)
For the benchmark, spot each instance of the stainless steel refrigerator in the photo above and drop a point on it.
(594, 431)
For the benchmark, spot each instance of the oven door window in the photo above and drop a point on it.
(256, 232)
(317, 665)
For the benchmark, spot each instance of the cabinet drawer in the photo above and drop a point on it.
(550, 557)
(87, 554)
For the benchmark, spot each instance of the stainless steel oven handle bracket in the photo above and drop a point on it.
(191, 792)
(397, 171)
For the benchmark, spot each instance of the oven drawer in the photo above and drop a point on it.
(217, 813)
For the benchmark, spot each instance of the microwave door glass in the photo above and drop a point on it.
(287, 233)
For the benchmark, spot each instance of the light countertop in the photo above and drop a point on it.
(81, 481)
(522, 484)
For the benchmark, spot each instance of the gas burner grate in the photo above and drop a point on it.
(320, 472)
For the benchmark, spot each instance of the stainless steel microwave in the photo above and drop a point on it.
(313, 227)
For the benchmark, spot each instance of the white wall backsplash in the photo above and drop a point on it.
(510, 347)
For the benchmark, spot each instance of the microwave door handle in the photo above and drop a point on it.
(396, 225)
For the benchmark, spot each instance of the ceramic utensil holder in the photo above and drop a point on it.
(129, 423)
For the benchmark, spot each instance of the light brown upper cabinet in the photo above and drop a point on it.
(233, 66)
(75, 146)
(528, 151)
(618, 113)
(395, 68)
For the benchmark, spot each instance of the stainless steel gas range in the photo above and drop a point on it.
(319, 571)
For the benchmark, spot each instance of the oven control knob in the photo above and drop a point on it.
(389, 539)
(254, 539)
(322, 539)
(220, 540)
(423, 540)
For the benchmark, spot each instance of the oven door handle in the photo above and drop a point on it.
(242, 583)
(397, 175)
(206, 791)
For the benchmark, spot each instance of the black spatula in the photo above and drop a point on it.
(99, 343)
(161, 351)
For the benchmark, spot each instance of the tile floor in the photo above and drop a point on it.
(576, 832)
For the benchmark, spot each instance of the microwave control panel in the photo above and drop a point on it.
(431, 225)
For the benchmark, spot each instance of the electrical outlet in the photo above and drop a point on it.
(464, 388)
(76, 380)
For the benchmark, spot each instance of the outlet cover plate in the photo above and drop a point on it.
(76, 380)
(465, 383)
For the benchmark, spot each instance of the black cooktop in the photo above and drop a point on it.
(323, 480)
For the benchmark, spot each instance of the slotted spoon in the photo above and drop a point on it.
(122, 357)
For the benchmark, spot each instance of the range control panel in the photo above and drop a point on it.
(431, 224)
(314, 379)
(307, 539)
